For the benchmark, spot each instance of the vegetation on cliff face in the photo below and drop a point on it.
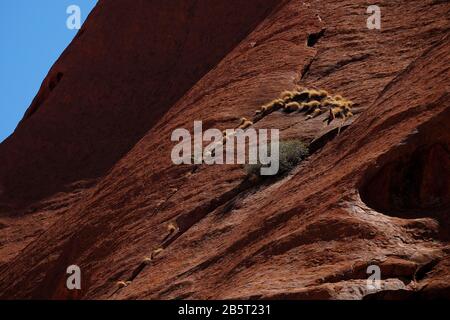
(292, 152)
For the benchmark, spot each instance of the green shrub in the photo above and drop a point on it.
(292, 152)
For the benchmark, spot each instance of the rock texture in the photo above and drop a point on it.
(87, 179)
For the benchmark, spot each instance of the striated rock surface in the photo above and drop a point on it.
(87, 179)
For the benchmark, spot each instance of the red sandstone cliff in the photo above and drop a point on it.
(87, 179)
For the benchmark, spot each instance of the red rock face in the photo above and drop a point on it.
(127, 66)
(93, 155)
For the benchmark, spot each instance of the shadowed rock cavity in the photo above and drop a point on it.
(413, 181)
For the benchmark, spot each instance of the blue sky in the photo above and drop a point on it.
(33, 34)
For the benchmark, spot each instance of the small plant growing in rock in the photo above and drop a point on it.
(292, 152)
